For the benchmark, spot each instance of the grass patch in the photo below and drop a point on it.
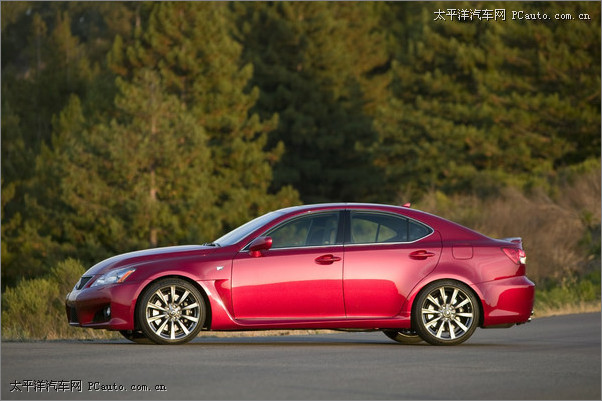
(573, 294)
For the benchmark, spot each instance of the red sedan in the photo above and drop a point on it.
(411, 274)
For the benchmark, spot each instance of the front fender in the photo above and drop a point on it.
(212, 277)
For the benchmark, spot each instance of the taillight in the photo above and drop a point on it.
(516, 255)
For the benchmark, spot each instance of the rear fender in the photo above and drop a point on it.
(407, 307)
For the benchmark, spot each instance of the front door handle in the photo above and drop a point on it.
(327, 259)
(421, 254)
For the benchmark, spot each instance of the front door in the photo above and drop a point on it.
(300, 277)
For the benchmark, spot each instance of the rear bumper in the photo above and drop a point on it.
(87, 307)
(506, 301)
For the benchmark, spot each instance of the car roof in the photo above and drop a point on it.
(347, 205)
(339, 205)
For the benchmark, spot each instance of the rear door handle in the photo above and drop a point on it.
(421, 254)
(327, 259)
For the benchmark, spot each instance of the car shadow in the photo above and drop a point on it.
(260, 342)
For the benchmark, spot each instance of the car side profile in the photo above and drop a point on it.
(413, 275)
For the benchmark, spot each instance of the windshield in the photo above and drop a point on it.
(239, 233)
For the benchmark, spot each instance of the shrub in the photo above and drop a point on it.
(35, 309)
(572, 295)
(30, 309)
(560, 228)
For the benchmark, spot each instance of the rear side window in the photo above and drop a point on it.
(373, 228)
(417, 230)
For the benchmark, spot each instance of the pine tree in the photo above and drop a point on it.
(220, 107)
(42, 65)
(477, 105)
(178, 158)
(200, 63)
(317, 65)
(140, 180)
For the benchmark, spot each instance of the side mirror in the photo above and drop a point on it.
(260, 244)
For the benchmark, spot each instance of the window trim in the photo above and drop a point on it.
(347, 239)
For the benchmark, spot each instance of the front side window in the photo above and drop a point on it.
(371, 228)
(313, 230)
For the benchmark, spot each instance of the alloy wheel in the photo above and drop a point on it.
(173, 312)
(446, 313)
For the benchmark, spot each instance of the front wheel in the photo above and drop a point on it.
(446, 313)
(171, 311)
(403, 336)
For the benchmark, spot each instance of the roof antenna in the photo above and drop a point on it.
(407, 204)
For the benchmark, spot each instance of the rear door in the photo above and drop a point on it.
(386, 255)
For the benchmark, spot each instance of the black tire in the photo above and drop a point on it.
(171, 311)
(403, 336)
(135, 336)
(446, 313)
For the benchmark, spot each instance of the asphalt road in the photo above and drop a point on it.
(549, 358)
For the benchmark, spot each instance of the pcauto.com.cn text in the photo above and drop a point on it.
(501, 14)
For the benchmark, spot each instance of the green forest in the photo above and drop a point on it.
(129, 125)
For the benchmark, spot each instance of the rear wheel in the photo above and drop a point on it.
(446, 313)
(136, 336)
(403, 336)
(171, 311)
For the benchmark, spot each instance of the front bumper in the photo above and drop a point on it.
(88, 307)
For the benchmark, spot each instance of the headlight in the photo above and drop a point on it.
(112, 277)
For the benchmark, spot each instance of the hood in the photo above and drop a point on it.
(145, 255)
